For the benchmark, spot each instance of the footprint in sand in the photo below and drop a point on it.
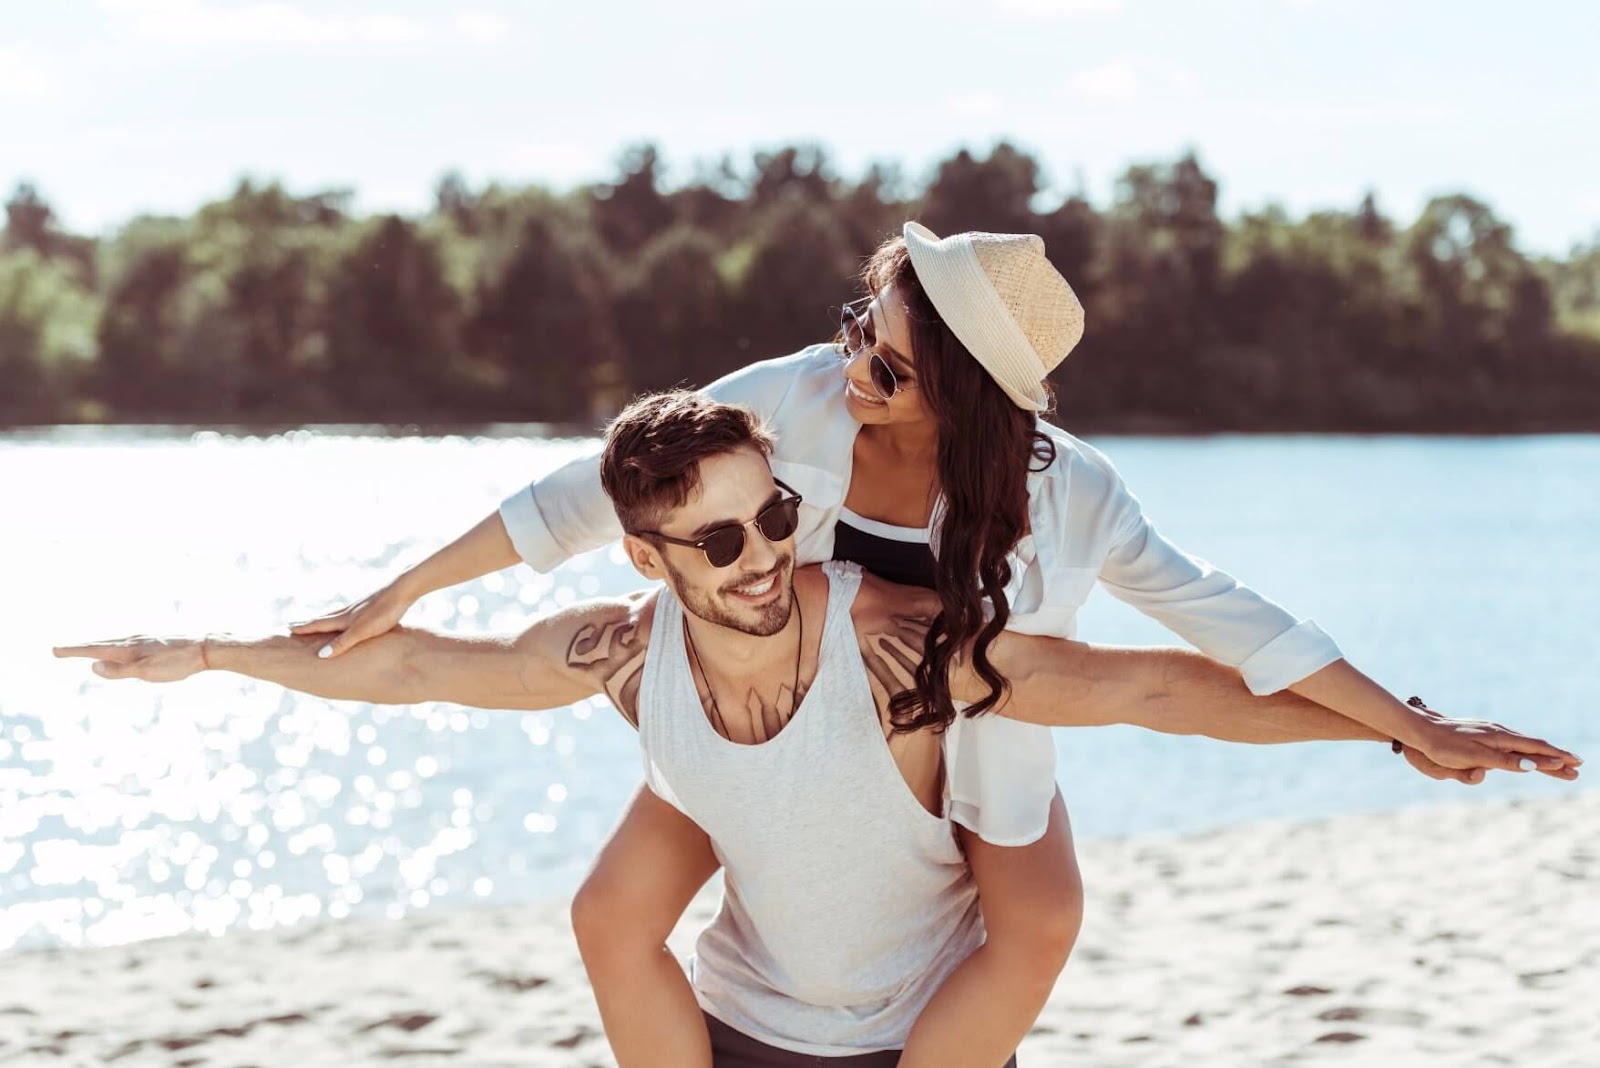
(1342, 1036)
(1395, 1017)
(405, 1021)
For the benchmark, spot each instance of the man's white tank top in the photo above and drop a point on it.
(845, 902)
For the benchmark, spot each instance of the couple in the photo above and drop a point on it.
(930, 442)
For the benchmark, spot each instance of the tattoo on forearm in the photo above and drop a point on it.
(614, 655)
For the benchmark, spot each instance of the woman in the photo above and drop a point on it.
(930, 439)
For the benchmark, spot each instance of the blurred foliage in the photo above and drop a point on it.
(522, 304)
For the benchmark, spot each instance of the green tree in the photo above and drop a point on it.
(542, 321)
(994, 194)
(46, 339)
(142, 321)
(629, 212)
(393, 326)
(798, 272)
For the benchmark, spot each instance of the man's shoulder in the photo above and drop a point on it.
(604, 629)
(607, 639)
(880, 603)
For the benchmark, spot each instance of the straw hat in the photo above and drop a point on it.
(1004, 301)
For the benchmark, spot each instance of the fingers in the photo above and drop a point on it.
(111, 652)
(1504, 738)
(1465, 776)
(348, 639)
(321, 625)
(344, 642)
(109, 670)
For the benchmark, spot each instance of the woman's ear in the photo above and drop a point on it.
(645, 557)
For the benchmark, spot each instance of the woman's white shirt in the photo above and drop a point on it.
(1085, 525)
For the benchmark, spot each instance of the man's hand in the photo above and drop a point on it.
(150, 659)
(1466, 776)
(1463, 744)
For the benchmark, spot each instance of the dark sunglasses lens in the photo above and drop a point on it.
(883, 377)
(723, 547)
(779, 521)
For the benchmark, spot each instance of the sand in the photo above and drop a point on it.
(1459, 935)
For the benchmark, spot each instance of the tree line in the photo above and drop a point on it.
(523, 304)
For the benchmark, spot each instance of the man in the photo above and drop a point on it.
(761, 693)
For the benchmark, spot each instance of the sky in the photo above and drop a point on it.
(118, 107)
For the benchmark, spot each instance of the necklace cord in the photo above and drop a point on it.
(721, 724)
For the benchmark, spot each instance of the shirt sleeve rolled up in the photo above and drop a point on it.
(1207, 607)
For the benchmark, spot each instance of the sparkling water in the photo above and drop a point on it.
(1465, 570)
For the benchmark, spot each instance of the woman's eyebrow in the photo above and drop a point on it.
(877, 340)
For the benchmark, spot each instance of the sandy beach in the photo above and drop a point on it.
(1457, 935)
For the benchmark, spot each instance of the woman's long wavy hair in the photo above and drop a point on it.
(987, 445)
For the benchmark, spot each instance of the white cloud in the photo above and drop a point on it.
(1126, 78)
(1385, 113)
(22, 78)
(482, 27)
(975, 105)
(1117, 80)
(557, 162)
(268, 24)
(1058, 8)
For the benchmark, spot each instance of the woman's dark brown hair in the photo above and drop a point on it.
(987, 446)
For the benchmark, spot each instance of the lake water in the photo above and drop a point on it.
(1464, 570)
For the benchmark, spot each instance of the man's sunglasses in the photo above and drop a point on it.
(853, 334)
(725, 545)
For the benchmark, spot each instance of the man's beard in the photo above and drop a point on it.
(761, 621)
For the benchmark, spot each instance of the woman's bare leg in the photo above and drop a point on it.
(645, 876)
(1032, 900)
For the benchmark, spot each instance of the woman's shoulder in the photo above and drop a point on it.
(1075, 463)
(768, 386)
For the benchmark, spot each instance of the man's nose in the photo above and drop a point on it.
(759, 554)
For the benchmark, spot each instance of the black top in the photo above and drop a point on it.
(909, 563)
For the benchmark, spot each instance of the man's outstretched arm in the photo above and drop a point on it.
(587, 649)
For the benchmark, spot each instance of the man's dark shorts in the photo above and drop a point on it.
(735, 1049)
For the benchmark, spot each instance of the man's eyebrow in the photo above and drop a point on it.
(717, 524)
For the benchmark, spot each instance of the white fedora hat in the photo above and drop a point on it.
(1004, 301)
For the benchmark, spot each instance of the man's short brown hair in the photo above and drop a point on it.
(651, 462)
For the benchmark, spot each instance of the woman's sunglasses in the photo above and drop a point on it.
(725, 545)
(853, 334)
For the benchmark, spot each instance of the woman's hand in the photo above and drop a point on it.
(485, 548)
(367, 618)
(1464, 744)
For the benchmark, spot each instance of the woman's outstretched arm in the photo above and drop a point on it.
(562, 514)
(486, 547)
(1062, 683)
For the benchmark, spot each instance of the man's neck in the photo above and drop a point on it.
(732, 654)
